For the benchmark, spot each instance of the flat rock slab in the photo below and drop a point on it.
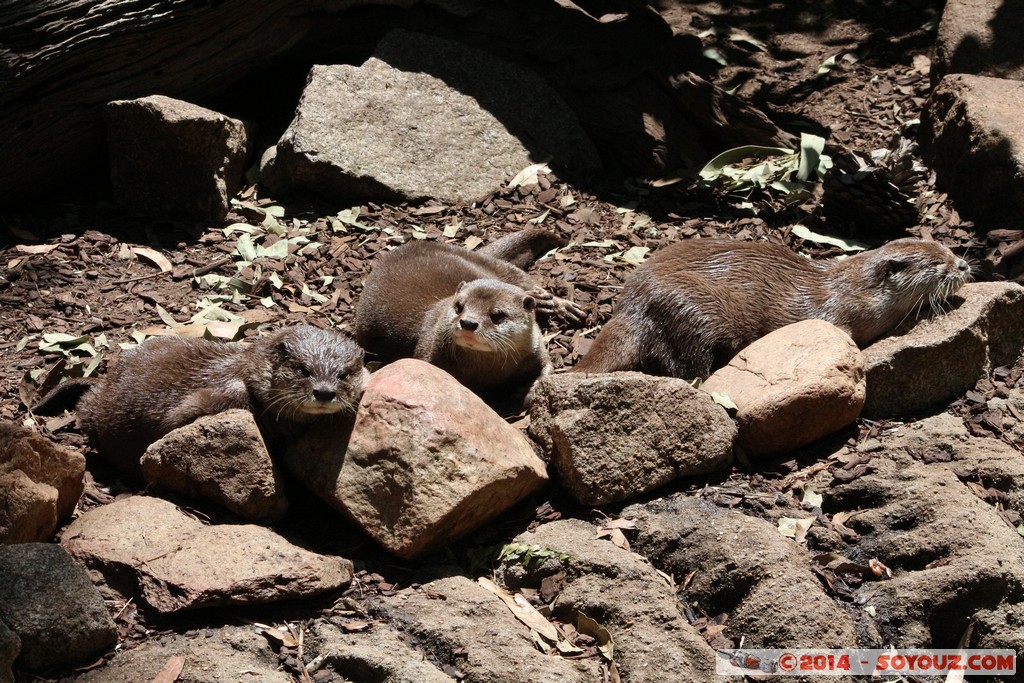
(40, 484)
(744, 567)
(427, 461)
(927, 364)
(228, 653)
(972, 134)
(221, 458)
(945, 546)
(426, 117)
(793, 386)
(980, 37)
(176, 562)
(470, 619)
(615, 436)
(173, 158)
(380, 650)
(48, 601)
(638, 606)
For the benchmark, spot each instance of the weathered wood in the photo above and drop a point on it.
(630, 81)
(61, 61)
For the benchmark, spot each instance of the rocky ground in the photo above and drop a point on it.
(904, 533)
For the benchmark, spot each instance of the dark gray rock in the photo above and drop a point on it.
(426, 117)
(48, 600)
(615, 436)
(173, 158)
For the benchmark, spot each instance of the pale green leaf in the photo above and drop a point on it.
(736, 155)
(846, 245)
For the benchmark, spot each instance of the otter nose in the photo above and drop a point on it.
(468, 324)
(324, 394)
(963, 266)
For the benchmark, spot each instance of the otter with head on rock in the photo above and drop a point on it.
(287, 379)
(690, 308)
(474, 314)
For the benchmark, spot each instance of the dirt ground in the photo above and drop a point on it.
(79, 280)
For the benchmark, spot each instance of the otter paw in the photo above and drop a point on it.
(569, 311)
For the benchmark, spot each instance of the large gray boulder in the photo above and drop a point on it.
(425, 117)
(979, 37)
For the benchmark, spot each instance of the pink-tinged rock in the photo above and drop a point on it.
(147, 545)
(427, 461)
(40, 484)
(617, 435)
(222, 458)
(169, 157)
(793, 386)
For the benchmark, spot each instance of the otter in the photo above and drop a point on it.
(287, 379)
(474, 314)
(690, 308)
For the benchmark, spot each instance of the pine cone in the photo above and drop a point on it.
(876, 200)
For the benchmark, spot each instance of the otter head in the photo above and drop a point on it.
(918, 271)
(316, 372)
(491, 316)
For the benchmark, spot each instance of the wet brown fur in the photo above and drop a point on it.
(408, 309)
(287, 378)
(695, 304)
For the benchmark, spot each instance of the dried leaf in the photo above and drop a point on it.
(794, 528)
(522, 610)
(36, 248)
(172, 669)
(528, 176)
(155, 257)
(589, 627)
(846, 245)
(472, 242)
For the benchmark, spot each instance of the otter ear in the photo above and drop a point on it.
(461, 285)
(529, 303)
(282, 350)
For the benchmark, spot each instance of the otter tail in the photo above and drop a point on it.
(523, 248)
(616, 348)
(64, 396)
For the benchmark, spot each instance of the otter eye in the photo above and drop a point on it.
(459, 307)
(304, 371)
(498, 316)
(343, 375)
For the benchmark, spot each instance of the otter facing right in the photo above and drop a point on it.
(690, 308)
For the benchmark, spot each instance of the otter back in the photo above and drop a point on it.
(695, 304)
(291, 376)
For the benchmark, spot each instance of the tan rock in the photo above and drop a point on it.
(615, 436)
(972, 39)
(427, 462)
(926, 364)
(793, 386)
(222, 458)
(40, 484)
(179, 563)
